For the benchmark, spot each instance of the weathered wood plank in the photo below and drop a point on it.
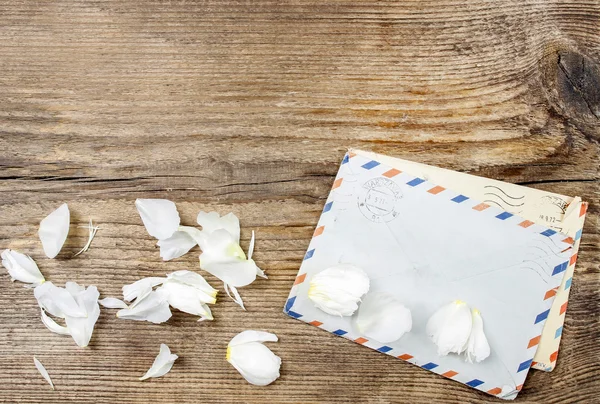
(248, 107)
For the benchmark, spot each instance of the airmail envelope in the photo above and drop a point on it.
(559, 212)
(428, 245)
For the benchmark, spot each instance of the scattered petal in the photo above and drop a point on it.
(22, 267)
(132, 291)
(212, 222)
(176, 246)
(112, 303)
(76, 304)
(92, 233)
(383, 318)
(251, 246)
(160, 217)
(236, 274)
(152, 307)
(198, 236)
(81, 328)
(449, 327)
(255, 362)
(54, 229)
(478, 347)
(57, 301)
(162, 364)
(338, 289)
(236, 296)
(53, 325)
(43, 371)
(186, 298)
(193, 279)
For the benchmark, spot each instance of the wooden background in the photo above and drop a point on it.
(248, 106)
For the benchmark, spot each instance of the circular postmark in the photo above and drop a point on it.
(378, 199)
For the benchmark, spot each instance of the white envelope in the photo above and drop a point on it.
(429, 246)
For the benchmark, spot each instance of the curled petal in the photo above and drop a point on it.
(198, 236)
(236, 274)
(57, 301)
(449, 327)
(212, 222)
(383, 318)
(236, 295)
(251, 246)
(254, 361)
(221, 247)
(478, 347)
(193, 279)
(22, 267)
(186, 298)
(152, 307)
(54, 229)
(43, 371)
(162, 364)
(160, 217)
(252, 336)
(112, 303)
(81, 328)
(176, 246)
(338, 289)
(53, 325)
(134, 290)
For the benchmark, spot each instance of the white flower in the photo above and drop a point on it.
(43, 371)
(112, 303)
(54, 229)
(449, 327)
(150, 305)
(255, 362)
(22, 267)
(176, 246)
(337, 290)
(137, 288)
(162, 364)
(77, 305)
(212, 222)
(478, 347)
(383, 318)
(160, 217)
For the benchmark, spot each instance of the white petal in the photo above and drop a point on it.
(478, 347)
(53, 325)
(236, 295)
(221, 247)
(43, 371)
(132, 291)
(57, 301)
(383, 318)
(54, 229)
(251, 246)
(255, 362)
(162, 364)
(198, 236)
(186, 298)
(176, 245)
(338, 289)
(112, 303)
(252, 336)
(236, 274)
(74, 288)
(81, 328)
(193, 279)
(212, 222)
(160, 217)
(153, 307)
(22, 267)
(449, 327)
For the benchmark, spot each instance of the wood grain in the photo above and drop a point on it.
(248, 106)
